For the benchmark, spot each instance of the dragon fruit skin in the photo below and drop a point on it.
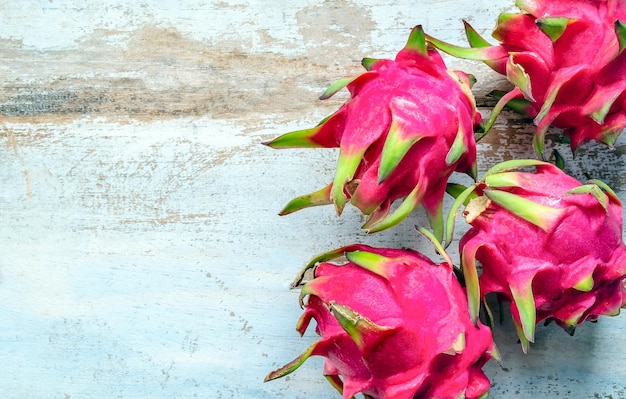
(406, 128)
(393, 325)
(548, 244)
(566, 60)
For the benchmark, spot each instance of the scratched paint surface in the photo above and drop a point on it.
(140, 251)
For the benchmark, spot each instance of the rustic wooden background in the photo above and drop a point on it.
(141, 255)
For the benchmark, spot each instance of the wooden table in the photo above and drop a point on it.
(141, 255)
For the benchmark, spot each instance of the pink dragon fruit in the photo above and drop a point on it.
(566, 59)
(393, 324)
(547, 243)
(407, 127)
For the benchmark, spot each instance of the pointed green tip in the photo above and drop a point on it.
(320, 197)
(369, 63)
(522, 337)
(341, 83)
(486, 54)
(325, 257)
(585, 284)
(595, 191)
(470, 274)
(494, 352)
(600, 113)
(609, 191)
(378, 215)
(505, 100)
(412, 201)
(373, 262)
(504, 179)
(398, 142)
(553, 27)
(292, 365)
(347, 165)
(296, 139)
(458, 148)
(358, 327)
(547, 114)
(609, 136)
(559, 161)
(542, 216)
(473, 172)
(435, 219)
(514, 164)
(336, 86)
(462, 196)
(524, 301)
(574, 319)
(457, 346)
(307, 289)
(517, 75)
(455, 189)
(417, 41)
(503, 24)
(620, 32)
(539, 140)
(437, 243)
(473, 38)
(526, 5)
(471, 80)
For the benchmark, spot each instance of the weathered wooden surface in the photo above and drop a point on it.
(140, 250)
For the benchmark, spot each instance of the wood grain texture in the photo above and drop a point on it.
(141, 255)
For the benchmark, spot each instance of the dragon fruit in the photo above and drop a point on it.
(566, 59)
(406, 128)
(393, 324)
(550, 245)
